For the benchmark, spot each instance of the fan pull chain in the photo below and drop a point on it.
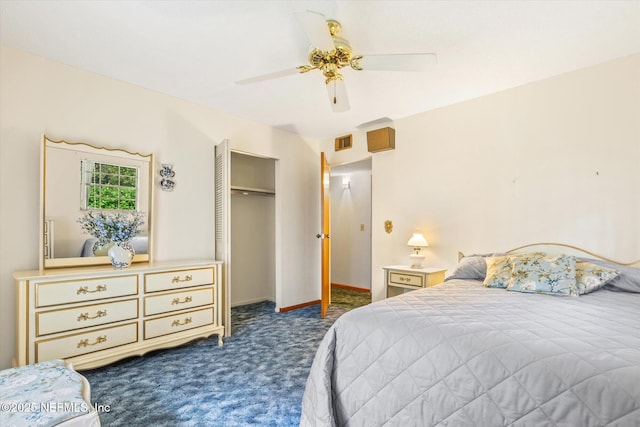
(335, 100)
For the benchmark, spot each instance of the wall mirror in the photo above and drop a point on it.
(76, 177)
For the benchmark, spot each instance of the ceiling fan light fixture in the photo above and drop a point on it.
(330, 52)
(330, 61)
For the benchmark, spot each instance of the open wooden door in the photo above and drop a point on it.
(325, 225)
(223, 226)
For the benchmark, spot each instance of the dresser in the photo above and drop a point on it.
(92, 316)
(402, 278)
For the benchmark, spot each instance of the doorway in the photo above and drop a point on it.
(245, 209)
(252, 229)
(350, 189)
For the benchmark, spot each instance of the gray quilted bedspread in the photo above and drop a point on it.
(459, 354)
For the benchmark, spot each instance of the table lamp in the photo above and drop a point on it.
(417, 242)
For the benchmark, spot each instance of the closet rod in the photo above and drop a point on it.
(252, 193)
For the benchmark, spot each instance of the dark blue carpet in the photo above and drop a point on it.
(256, 378)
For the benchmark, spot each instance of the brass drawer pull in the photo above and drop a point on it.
(177, 300)
(85, 316)
(177, 279)
(99, 340)
(85, 289)
(178, 323)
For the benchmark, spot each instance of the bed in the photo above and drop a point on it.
(462, 353)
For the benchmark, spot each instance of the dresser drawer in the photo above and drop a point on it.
(176, 323)
(87, 342)
(71, 291)
(406, 279)
(155, 282)
(49, 322)
(173, 301)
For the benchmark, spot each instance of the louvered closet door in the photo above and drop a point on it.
(222, 169)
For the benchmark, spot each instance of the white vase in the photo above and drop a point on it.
(121, 254)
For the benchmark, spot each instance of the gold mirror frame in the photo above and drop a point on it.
(78, 150)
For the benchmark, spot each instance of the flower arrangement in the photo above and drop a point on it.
(111, 227)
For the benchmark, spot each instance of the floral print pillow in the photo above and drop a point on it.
(499, 268)
(591, 277)
(554, 275)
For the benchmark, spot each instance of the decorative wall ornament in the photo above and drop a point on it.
(167, 173)
(388, 226)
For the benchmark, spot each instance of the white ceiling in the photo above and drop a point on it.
(196, 50)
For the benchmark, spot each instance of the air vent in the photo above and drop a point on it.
(344, 142)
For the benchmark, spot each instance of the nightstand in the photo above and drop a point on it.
(399, 279)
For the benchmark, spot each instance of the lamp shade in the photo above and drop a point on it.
(418, 240)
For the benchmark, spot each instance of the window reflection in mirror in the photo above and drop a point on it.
(79, 176)
(109, 186)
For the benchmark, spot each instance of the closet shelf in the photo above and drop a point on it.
(236, 189)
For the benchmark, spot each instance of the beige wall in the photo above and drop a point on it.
(40, 96)
(556, 160)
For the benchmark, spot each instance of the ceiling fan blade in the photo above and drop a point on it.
(315, 26)
(269, 76)
(398, 62)
(338, 98)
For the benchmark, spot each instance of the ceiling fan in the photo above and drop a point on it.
(330, 52)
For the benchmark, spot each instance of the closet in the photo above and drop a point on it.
(252, 229)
